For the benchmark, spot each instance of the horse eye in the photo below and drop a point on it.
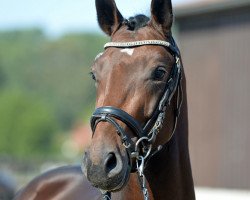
(159, 73)
(92, 76)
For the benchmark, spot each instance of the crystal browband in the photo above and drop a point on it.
(137, 43)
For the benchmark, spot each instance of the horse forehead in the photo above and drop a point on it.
(128, 51)
(125, 58)
(128, 59)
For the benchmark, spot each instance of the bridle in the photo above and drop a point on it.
(141, 150)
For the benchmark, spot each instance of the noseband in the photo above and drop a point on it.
(141, 149)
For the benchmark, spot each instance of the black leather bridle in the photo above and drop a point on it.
(141, 149)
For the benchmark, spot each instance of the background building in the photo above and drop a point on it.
(214, 38)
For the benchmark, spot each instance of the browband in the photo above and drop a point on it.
(142, 43)
(137, 43)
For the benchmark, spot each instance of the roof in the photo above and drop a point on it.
(209, 6)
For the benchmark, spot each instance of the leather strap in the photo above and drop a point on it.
(109, 111)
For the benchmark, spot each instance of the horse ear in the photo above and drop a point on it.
(109, 17)
(162, 14)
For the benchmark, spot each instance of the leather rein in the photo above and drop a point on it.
(141, 150)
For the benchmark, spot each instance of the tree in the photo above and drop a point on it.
(27, 125)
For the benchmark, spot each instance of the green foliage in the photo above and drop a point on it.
(56, 71)
(2, 77)
(28, 125)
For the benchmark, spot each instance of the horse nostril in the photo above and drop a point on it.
(110, 162)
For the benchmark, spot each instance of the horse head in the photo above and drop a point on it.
(137, 78)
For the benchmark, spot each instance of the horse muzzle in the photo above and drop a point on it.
(111, 172)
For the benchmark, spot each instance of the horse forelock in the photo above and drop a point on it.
(136, 28)
(136, 22)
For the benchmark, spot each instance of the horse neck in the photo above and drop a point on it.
(169, 171)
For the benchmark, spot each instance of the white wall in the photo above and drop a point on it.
(221, 194)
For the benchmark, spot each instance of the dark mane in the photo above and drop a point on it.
(136, 22)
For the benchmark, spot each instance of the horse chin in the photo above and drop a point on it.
(123, 182)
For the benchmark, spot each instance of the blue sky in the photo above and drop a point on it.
(59, 16)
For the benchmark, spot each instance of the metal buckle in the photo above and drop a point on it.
(137, 147)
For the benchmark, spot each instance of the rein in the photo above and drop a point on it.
(141, 150)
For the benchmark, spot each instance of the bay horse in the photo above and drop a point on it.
(139, 148)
